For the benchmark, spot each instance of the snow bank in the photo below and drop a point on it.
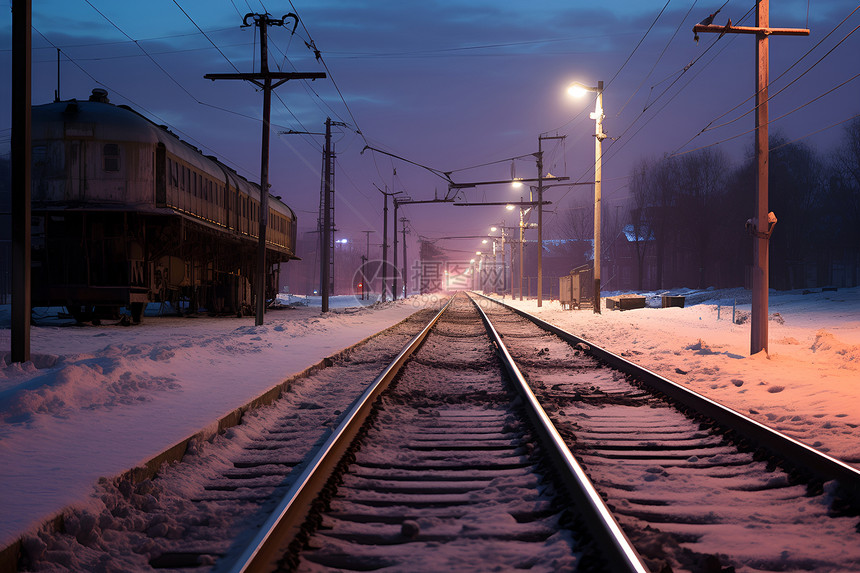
(96, 401)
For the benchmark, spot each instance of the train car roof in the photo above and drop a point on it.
(100, 120)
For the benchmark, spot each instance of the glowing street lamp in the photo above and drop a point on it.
(578, 90)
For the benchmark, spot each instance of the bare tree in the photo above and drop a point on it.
(703, 176)
(578, 223)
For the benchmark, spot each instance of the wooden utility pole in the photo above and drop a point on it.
(21, 171)
(763, 222)
(264, 80)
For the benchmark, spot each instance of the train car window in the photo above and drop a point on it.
(111, 157)
(174, 179)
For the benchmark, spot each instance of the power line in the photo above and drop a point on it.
(776, 119)
(789, 84)
(638, 44)
(136, 43)
(708, 126)
(792, 65)
(199, 29)
(660, 57)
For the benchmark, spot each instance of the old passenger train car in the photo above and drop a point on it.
(125, 213)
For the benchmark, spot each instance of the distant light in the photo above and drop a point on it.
(342, 241)
(484, 242)
(494, 229)
(472, 262)
(509, 207)
(315, 291)
(577, 90)
(478, 253)
(516, 184)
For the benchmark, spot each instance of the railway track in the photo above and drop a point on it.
(450, 477)
(692, 483)
(451, 471)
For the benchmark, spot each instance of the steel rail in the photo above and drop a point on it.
(804, 457)
(600, 521)
(285, 521)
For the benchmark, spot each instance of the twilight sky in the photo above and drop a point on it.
(449, 84)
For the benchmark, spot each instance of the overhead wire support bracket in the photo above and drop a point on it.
(503, 181)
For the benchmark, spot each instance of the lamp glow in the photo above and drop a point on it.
(577, 90)
(509, 207)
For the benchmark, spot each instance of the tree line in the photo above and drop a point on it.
(685, 221)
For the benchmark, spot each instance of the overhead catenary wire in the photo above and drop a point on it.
(659, 57)
(199, 29)
(613, 148)
(801, 106)
(710, 125)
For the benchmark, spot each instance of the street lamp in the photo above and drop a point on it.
(578, 90)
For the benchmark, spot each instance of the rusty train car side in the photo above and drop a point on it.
(125, 213)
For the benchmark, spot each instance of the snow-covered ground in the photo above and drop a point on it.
(96, 401)
(807, 386)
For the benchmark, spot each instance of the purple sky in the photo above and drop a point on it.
(448, 84)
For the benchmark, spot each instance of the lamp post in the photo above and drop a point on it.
(578, 89)
(501, 238)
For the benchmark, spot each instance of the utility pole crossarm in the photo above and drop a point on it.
(283, 76)
(729, 29)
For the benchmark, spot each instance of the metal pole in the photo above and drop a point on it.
(404, 220)
(540, 226)
(598, 139)
(521, 251)
(385, 249)
(394, 258)
(758, 315)
(366, 259)
(504, 266)
(325, 259)
(21, 166)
